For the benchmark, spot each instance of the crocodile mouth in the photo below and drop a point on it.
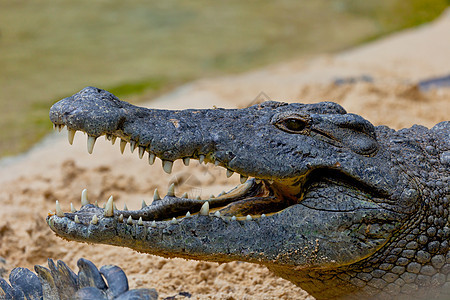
(253, 198)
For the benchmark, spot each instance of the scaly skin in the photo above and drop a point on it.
(339, 207)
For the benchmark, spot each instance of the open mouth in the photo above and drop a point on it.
(253, 198)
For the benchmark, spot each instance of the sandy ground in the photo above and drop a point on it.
(31, 183)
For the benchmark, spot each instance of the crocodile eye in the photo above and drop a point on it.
(292, 125)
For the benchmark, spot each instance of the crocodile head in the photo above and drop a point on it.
(323, 193)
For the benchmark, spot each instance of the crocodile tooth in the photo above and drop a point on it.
(121, 218)
(140, 222)
(233, 218)
(185, 195)
(167, 166)
(141, 152)
(248, 218)
(173, 221)
(72, 208)
(151, 158)
(125, 208)
(171, 190)
(109, 208)
(113, 139)
(90, 144)
(130, 220)
(198, 198)
(123, 143)
(144, 205)
(186, 161)
(263, 215)
(70, 135)
(243, 179)
(132, 145)
(221, 194)
(156, 196)
(204, 211)
(153, 224)
(201, 159)
(60, 127)
(54, 126)
(84, 200)
(229, 173)
(212, 196)
(96, 203)
(59, 211)
(188, 214)
(216, 163)
(217, 214)
(270, 181)
(258, 181)
(94, 220)
(76, 219)
(104, 205)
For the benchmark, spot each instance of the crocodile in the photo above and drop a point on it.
(340, 207)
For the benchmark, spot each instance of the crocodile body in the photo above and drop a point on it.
(334, 204)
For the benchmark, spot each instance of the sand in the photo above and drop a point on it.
(384, 91)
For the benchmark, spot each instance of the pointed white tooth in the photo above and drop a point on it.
(90, 144)
(60, 127)
(201, 159)
(167, 166)
(121, 218)
(217, 214)
(270, 181)
(258, 181)
(104, 205)
(115, 207)
(96, 203)
(185, 195)
(123, 143)
(54, 126)
(186, 161)
(84, 200)
(130, 220)
(263, 215)
(171, 190)
(221, 194)
(198, 198)
(153, 224)
(113, 139)
(141, 152)
(144, 205)
(216, 163)
(109, 208)
(243, 179)
(248, 218)
(132, 145)
(71, 135)
(233, 218)
(212, 196)
(76, 219)
(229, 173)
(173, 221)
(125, 208)
(204, 211)
(151, 158)
(188, 214)
(72, 208)
(156, 196)
(59, 211)
(140, 222)
(94, 220)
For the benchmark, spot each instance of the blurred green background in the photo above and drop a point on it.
(52, 49)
